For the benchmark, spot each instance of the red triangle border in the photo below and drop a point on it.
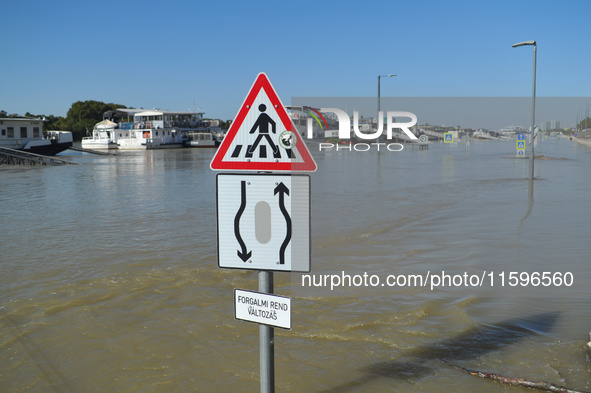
(217, 163)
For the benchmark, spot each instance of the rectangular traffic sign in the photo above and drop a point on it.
(263, 308)
(263, 222)
(520, 145)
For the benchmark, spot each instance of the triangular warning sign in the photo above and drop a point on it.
(262, 136)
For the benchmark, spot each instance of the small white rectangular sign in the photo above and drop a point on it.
(262, 308)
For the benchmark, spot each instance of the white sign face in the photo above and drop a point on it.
(262, 308)
(262, 137)
(264, 222)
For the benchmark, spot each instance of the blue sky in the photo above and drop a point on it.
(175, 53)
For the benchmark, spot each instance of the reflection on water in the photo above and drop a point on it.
(110, 279)
(530, 200)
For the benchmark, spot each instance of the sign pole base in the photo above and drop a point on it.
(267, 340)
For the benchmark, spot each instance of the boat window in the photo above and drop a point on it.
(3, 132)
(35, 132)
(11, 132)
(23, 132)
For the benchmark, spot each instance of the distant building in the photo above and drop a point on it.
(550, 125)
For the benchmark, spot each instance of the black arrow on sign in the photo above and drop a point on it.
(243, 253)
(283, 190)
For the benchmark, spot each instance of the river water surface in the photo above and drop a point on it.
(110, 279)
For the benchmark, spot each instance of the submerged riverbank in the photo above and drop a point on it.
(111, 281)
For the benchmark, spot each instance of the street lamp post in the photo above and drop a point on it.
(381, 76)
(533, 108)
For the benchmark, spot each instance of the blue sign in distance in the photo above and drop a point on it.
(521, 137)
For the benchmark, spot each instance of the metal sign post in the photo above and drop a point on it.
(267, 340)
(263, 219)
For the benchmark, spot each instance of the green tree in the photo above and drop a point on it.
(83, 115)
(54, 123)
(583, 124)
(6, 115)
(225, 124)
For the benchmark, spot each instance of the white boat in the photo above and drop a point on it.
(104, 136)
(209, 135)
(154, 129)
(27, 134)
(201, 139)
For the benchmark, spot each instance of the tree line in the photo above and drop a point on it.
(80, 119)
(584, 124)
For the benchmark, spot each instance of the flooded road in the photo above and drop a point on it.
(110, 279)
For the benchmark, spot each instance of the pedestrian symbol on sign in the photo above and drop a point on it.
(263, 122)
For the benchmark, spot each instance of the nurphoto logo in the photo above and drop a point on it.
(364, 133)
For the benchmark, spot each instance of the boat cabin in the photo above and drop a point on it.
(16, 132)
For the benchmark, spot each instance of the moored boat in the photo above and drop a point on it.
(27, 134)
(153, 129)
(201, 139)
(208, 135)
(104, 136)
